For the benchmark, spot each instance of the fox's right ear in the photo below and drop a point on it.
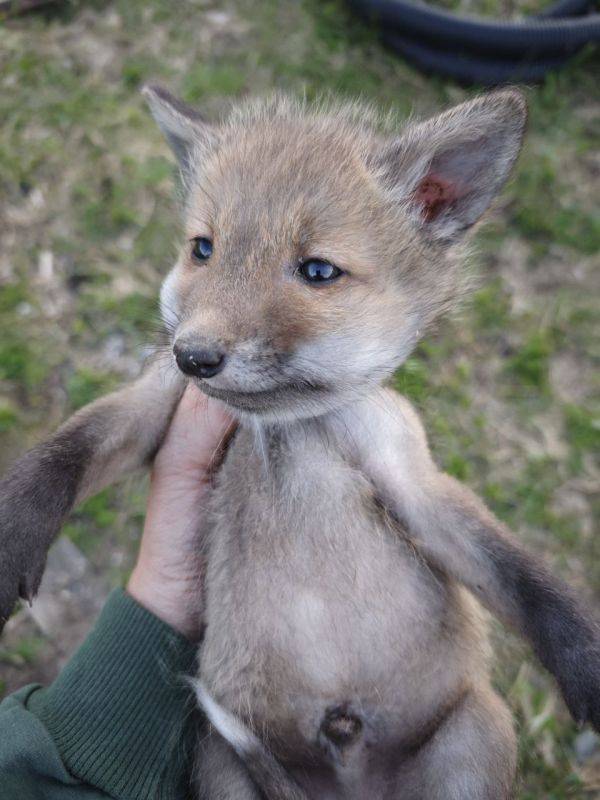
(448, 169)
(183, 127)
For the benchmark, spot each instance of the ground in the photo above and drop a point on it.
(88, 229)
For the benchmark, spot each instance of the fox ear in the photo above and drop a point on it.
(183, 127)
(449, 168)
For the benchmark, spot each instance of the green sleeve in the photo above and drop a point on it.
(115, 723)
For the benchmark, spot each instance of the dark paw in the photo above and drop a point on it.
(580, 684)
(24, 541)
(30, 518)
(35, 497)
(17, 583)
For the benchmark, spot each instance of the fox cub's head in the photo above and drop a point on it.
(318, 246)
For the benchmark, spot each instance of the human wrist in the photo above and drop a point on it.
(172, 600)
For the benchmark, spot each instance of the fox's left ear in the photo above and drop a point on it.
(183, 126)
(449, 168)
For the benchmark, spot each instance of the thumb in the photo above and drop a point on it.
(198, 435)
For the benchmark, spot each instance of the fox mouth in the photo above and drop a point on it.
(280, 397)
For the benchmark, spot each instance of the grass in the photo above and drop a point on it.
(24, 652)
(505, 386)
(528, 367)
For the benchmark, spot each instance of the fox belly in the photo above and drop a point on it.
(326, 631)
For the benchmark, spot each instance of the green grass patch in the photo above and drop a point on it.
(136, 313)
(582, 431)
(22, 652)
(11, 296)
(205, 80)
(85, 385)
(583, 428)
(491, 307)
(9, 418)
(90, 523)
(412, 380)
(528, 367)
(22, 360)
(543, 212)
(106, 209)
(528, 501)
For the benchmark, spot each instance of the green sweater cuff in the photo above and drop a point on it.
(118, 710)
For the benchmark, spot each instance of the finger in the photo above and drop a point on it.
(205, 420)
(198, 433)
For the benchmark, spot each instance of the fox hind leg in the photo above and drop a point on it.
(472, 756)
(220, 772)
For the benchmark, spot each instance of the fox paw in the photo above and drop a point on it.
(23, 548)
(30, 518)
(580, 684)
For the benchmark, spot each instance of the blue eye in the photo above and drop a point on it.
(318, 271)
(201, 248)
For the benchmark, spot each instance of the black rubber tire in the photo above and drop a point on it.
(468, 69)
(532, 38)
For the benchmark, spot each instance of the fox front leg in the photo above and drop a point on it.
(454, 531)
(106, 439)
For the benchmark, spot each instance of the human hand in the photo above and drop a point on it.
(167, 576)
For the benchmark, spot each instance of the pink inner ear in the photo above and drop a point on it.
(434, 195)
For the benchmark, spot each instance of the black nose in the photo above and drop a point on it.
(202, 362)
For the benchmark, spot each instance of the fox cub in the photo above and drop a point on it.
(343, 656)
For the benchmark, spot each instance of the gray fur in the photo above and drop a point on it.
(344, 655)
